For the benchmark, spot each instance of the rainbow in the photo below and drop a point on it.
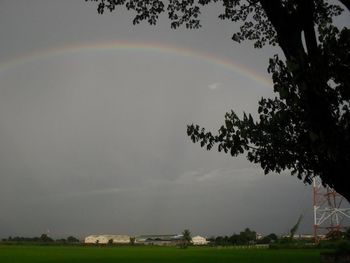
(137, 47)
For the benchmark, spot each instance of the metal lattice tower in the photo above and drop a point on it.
(331, 210)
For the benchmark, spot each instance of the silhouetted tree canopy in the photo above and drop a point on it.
(305, 129)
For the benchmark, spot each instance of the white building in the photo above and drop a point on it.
(104, 239)
(198, 240)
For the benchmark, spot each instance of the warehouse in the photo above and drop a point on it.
(160, 240)
(105, 239)
(198, 240)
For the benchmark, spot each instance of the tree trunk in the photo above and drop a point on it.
(310, 74)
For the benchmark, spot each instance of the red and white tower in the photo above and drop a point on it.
(331, 210)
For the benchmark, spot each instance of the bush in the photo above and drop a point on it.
(342, 246)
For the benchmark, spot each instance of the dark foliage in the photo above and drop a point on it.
(246, 237)
(306, 128)
(271, 238)
(72, 239)
(44, 238)
(186, 239)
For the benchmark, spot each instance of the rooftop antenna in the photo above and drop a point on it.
(331, 211)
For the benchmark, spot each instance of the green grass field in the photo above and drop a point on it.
(71, 254)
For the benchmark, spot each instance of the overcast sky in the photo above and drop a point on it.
(93, 140)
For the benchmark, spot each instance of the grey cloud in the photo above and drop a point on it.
(95, 142)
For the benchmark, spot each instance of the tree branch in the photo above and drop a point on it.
(346, 3)
(252, 147)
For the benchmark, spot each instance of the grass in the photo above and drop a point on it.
(75, 254)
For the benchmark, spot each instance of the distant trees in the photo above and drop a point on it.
(44, 238)
(22, 239)
(268, 239)
(246, 237)
(271, 238)
(186, 238)
(72, 239)
(336, 235)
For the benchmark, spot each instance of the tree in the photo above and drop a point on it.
(247, 236)
(61, 240)
(45, 238)
(234, 239)
(72, 239)
(335, 235)
(186, 238)
(271, 238)
(306, 128)
(223, 240)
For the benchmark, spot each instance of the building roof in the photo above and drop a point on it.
(110, 236)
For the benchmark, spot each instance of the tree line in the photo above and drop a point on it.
(44, 238)
(246, 237)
